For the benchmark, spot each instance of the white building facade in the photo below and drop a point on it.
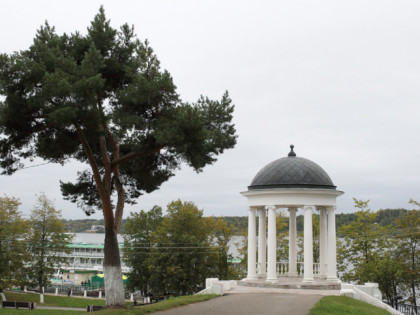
(86, 258)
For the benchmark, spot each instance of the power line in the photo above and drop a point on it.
(33, 166)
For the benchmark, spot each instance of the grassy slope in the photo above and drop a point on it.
(54, 300)
(80, 302)
(336, 305)
(38, 312)
(164, 305)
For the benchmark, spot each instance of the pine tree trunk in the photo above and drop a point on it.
(114, 288)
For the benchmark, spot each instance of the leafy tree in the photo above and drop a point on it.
(138, 244)
(222, 234)
(238, 222)
(242, 245)
(282, 237)
(46, 243)
(387, 270)
(180, 260)
(372, 252)
(364, 242)
(315, 237)
(409, 249)
(102, 99)
(13, 231)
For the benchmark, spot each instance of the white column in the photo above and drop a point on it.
(323, 243)
(262, 243)
(292, 243)
(308, 275)
(252, 245)
(271, 252)
(332, 251)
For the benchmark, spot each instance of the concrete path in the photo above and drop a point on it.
(244, 300)
(250, 303)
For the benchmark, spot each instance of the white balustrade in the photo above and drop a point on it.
(258, 268)
(317, 269)
(282, 268)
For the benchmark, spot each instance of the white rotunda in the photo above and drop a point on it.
(291, 183)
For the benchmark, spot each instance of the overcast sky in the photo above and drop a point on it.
(338, 79)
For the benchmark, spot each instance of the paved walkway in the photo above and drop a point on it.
(250, 303)
(243, 300)
(251, 300)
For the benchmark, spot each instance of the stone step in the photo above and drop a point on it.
(298, 285)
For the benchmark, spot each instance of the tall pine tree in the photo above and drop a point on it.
(102, 99)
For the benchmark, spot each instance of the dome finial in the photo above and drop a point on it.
(292, 153)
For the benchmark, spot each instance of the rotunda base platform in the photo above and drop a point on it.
(292, 283)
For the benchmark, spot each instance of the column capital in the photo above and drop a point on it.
(292, 209)
(331, 208)
(322, 210)
(309, 207)
(270, 207)
(261, 211)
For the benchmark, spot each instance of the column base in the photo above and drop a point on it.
(271, 280)
(333, 279)
(251, 278)
(262, 276)
(322, 276)
(308, 280)
(292, 274)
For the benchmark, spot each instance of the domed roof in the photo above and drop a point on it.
(292, 172)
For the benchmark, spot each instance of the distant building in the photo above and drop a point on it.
(96, 229)
(86, 258)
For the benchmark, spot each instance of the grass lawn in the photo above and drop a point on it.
(337, 305)
(53, 300)
(64, 301)
(164, 305)
(38, 312)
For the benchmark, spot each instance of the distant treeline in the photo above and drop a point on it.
(83, 225)
(240, 223)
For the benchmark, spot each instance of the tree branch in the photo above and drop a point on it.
(105, 199)
(105, 158)
(118, 185)
(132, 155)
